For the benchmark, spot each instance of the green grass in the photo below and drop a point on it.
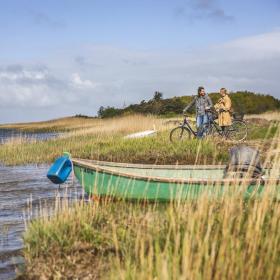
(226, 238)
(103, 140)
(222, 238)
(114, 148)
(258, 132)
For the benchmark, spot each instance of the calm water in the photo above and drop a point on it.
(6, 134)
(21, 188)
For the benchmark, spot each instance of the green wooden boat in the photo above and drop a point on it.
(163, 182)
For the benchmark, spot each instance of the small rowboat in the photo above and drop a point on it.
(161, 182)
(155, 182)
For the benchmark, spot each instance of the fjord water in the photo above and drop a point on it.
(23, 191)
(10, 134)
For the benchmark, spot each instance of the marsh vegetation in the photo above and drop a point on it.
(93, 138)
(225, 237)
(202, 239)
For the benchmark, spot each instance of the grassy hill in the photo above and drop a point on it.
(243, 102)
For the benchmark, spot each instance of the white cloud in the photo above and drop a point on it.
(34, 75)
(263, 44)
(17, 73)
(251, 63)
(29, 86)
(36, 86)
(82, 84)
(125, 75)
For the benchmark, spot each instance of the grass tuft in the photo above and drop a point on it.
(207, 238)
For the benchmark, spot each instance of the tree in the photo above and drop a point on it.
(157, 96)
(100, 112)
(242, 101)
(109, 112)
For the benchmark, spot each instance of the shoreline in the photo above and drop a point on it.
(130, 240)
(104, 140)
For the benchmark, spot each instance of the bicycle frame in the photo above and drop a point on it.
(217, 127)
(186, 124)
(211, 123)
(209, 128)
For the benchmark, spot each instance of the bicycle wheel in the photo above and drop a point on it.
(213, 131)
(238, 131)
(179, 134)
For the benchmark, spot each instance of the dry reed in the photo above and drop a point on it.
(226, 237)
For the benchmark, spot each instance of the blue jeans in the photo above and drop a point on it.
(201, 121)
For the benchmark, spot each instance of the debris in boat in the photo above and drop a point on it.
(244, 162)
(141, 134)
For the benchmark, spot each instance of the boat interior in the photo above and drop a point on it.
(196, 172)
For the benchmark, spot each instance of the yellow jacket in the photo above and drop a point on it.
(223, 108)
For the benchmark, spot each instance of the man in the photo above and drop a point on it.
(202, 103)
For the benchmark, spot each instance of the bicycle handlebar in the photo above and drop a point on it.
(210, 110)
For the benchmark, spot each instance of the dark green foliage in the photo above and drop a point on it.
(243, 102)
(157, 96)
(83, 116)
(249, 102)
(109, 112)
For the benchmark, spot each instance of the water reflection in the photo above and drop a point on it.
(10, 134)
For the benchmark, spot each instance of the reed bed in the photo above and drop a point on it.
(121, 126)
(87, 125)
(105, 141)
(269, 116)
(220, 237)
(114, 148)
(61, 124)
(225, 238)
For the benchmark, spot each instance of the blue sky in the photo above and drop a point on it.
(60, 58)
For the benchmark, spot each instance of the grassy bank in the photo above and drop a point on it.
(104, 140)
(227, 238)
(87, 125)
(208, 238)
(114, 148)
(127, 123)
(57, 125)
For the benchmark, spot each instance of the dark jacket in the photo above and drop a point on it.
(201, 103)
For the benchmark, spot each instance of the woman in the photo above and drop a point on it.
(223, 107)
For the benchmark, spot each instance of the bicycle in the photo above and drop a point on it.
(237, 131)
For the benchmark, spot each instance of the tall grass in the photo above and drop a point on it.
(114, 148)
(270, 116)
(202, 239)
(224, 237)
(61, 124)
(105, 141)
(125, 124)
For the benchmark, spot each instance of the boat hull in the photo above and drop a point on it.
(106, 183)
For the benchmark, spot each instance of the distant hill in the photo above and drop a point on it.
(243, 102)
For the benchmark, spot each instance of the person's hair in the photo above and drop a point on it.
(224, 90)
(199, 90)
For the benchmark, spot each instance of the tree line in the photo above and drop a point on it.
(244, 102)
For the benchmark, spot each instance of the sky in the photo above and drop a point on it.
(61, 58)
